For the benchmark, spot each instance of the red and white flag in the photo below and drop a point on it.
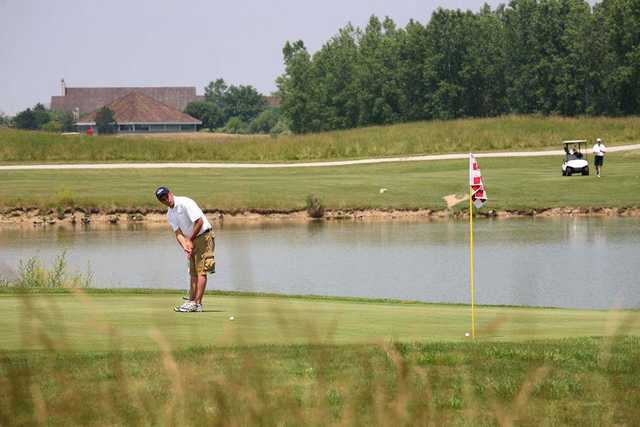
(478, 194)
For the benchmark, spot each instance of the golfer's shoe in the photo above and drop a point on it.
(183, 306)
(199, 308)
(189, 307)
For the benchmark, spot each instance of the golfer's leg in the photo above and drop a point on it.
(202, 285)
(193, 288)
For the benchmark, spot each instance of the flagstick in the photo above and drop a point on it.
(471, 272)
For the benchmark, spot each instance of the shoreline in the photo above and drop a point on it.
(38, 217)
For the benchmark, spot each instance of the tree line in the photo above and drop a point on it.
(528, 57)
(236, 109)
(41, 118)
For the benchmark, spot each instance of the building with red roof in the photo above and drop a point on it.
(135, 109)
(137, 112)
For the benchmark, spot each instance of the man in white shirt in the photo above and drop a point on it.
(195, 235)
(598, 150)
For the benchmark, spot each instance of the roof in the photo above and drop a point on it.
(136, 107)
(88, 99)
(273, 100)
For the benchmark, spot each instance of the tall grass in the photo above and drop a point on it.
(588, 381)
(503, 133)
(32, 273)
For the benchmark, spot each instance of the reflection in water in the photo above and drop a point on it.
(567, 262)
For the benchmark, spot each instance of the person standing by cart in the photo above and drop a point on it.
(598, 150)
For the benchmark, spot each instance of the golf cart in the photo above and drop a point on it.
(574, 159)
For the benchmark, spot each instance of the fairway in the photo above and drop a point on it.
(512, 184)
(87, 321)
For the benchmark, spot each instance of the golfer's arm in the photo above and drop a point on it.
(197, 226)
(180, 238)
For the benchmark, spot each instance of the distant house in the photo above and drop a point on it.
(153, 109)
(136, 112)
(273, 101)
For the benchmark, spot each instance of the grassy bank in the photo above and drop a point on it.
(512, 183)
(94, 359)
(496, 134)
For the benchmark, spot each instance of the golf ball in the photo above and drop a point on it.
(466, 334)
(231, 318)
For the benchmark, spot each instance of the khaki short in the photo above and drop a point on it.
(203, 259)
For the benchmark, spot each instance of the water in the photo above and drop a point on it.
(563, 262)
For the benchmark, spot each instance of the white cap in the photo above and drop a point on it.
(598, 140)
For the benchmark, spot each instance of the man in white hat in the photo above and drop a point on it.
(598, 150)
(195, 235)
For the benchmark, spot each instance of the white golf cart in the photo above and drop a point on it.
(575, 158)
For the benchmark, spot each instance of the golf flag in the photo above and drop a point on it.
(478, 193)
(478, 196)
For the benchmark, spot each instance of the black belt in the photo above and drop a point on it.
(204, 232)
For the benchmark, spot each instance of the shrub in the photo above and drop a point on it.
(281, 127)
(314, 207)
(105, 121)
(64, 197)
(236, 125)
(265, 121)
(32, 274)
(52, 126)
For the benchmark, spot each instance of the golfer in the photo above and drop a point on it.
(195, 235)
(598, 150)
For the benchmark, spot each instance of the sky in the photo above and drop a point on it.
(172, 42)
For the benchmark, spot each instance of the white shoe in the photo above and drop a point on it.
(183, 306)
(189, 307)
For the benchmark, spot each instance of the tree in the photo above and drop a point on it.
(265, 121)
(244, 102)
(34, 119)
(26, 120)
(335, 72)
(60, 122)
(41, 115)
(297, 88)
(215, 91)
(236, 125)
(67, 121)
(207, 112)
(380, 95)
(4, 119)
(227, 101)
(619, 23)
(105, 122)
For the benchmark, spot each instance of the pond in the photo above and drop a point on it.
(551, 262)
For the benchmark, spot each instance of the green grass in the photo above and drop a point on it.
(94, 358)
(503, 133)
(79, 320)
(512, 183)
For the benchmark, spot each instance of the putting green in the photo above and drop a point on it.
(90, 321)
